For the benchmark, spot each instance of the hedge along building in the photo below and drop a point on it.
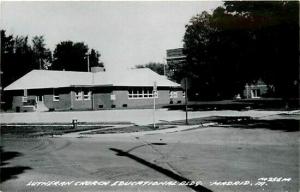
(43, 90)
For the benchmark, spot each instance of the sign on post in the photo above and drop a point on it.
(154, 86)
(154, 95)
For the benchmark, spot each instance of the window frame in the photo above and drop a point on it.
(78, 95)
(87, 96)
(55, 97)
(173, 94)
(142, 93)
(24, 99)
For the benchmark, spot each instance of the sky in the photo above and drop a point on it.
(125, 33)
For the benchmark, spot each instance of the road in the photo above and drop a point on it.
(209, 155)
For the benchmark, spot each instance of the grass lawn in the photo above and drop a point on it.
(46, 129)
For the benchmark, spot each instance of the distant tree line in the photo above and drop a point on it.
(19, 56)
(154, 66)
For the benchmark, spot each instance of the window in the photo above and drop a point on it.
(55, 96)
(113, 97)
(24, 99)
(87, 95)
(140, 94)
(78, 95)
(173, 94)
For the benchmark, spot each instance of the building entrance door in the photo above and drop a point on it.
(40, 106)
(40, 98)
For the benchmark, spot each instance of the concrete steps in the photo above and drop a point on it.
(40, 106)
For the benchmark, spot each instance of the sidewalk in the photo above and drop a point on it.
(137, 116)
(132, 134)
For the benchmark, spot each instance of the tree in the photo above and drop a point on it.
(197, 47)
(243, 42)
(94, 59)
(16, 57)
(70, 56)
(16, 60)
(157, 67)
(6, 55)
(275, 26)
(7, 51)
(42, 55)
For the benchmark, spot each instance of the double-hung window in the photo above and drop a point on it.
(87, 95)
(55, 95)
(25, 96)
(173, 94)
(78, 95)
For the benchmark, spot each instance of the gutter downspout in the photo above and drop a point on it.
(92, 91)
(71, 99)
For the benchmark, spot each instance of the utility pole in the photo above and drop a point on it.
(165, 62)
(186, 102)
(40, 62)
(88, 62)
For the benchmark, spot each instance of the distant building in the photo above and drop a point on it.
(256, 90)
(43, 90)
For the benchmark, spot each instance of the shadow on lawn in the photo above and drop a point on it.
(162, 170)
(8, 173)
(244, 122)
(288, 125)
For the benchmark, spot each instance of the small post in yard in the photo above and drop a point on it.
(154, 94)
(186, 102)
(74, 123)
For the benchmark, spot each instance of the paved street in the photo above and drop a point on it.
(206, 154)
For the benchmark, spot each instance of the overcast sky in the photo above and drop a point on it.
(125, 33)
